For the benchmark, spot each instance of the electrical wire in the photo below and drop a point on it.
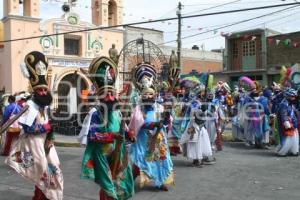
(247, 2)
(158, 20)
(218, 25)
(239, 22)
(249, 27)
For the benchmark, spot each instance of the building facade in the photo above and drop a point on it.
(282, 50)
(70, 49)
(246, 55)
(192, 59)
(260, 54)
(68, 54)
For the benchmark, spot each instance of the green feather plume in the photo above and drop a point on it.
(282, 73)
(210, 82)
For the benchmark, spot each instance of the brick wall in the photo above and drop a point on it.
(278, 55)
(201, 66)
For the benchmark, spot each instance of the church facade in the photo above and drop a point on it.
(69, 55)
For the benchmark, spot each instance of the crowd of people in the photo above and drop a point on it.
(134, 133)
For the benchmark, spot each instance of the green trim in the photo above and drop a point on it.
(89, 41)
(43, 38)
(97, 42)
(46, 38)
(56, 40)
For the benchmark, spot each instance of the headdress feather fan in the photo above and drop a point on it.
(24, 70)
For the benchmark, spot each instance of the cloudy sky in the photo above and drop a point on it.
(144, 10)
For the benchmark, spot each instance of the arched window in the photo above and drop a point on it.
(112, 13)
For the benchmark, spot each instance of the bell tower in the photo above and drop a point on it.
(107, 12)
(17, 24)
(31, 8)
(10, 7)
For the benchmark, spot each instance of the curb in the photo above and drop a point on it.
(66, 144)
(226, 137)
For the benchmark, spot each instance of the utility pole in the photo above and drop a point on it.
(179, 35)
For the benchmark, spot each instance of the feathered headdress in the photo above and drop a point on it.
(223, 87)
(144, 77)
(210, 82)
(103, 73)
(35, 68)
(173, 77)
(285, 76)
(246, 83)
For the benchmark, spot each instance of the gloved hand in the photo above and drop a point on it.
(47, 127)
(130, 135)
(159, 125)
(119, 137)
(287, 125)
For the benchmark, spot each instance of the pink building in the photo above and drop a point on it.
(66, 53)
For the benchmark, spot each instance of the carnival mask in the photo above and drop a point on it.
(147, 82)
(41, 69)
(42, 97)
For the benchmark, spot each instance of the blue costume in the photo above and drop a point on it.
(256, 119)
(13, 132)
(180, 118)
(12, 108)
(151, 152)
(287, 125)
(237, 121)
(276, 100)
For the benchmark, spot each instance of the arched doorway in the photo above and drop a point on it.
(69, 93)
(69, 90)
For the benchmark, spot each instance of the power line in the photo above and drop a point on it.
(153, 21)
(296, 13)
(247, 2)
(239, 22)
(218, 25)
(287, 21)
(276, 19)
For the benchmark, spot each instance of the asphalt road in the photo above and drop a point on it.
(239, 174)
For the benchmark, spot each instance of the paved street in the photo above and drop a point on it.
(239, 174)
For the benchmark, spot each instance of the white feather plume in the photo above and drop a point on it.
(24, 70)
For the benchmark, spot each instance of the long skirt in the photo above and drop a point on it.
(289, 144)
(7, 140)
(96, 165)
(28, 158)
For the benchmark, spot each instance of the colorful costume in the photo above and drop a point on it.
(33, 155)
(150, 154)
(238, 120)
(256, 120)
(105, 159)
(288, 124)
(179, 123)
(212, 119)
(223, 103)
(255, 111)
(12, 133)
(195, 140)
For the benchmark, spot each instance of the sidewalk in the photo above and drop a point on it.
(66, 141)
(71, 141)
